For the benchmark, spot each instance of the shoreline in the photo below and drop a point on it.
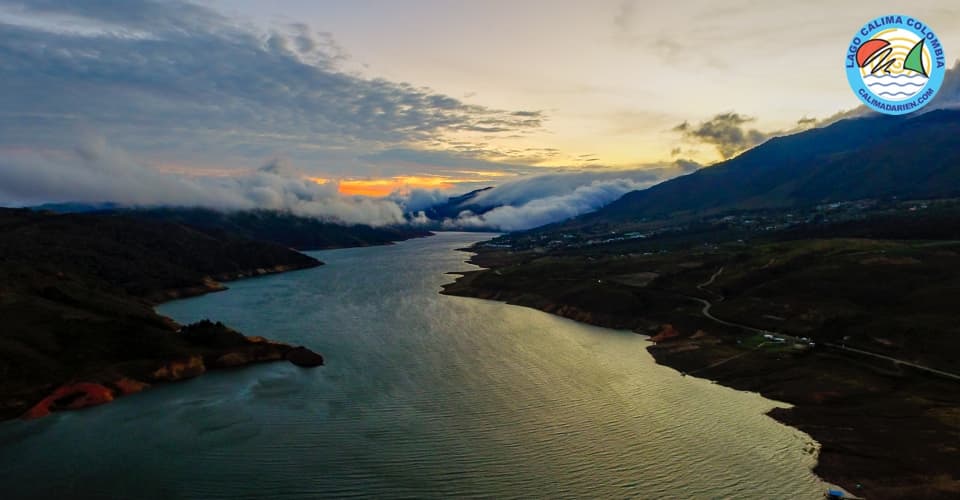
(79, 295)
(212, 284)
(105, 384)
(578, 316)
(582, 317)
(690, 350)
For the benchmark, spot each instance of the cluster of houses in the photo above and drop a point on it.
(800, 340)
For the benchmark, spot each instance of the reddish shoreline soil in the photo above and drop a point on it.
(219, 348)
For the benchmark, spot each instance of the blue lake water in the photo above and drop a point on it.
(423, 395)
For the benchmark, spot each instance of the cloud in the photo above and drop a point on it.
(726, 132)
(730, 135)
(444, 161)
(137, 14)
(949, 94)
(417, 200)
(947, 97)
(175, 78)
(542, 211)
(543, 199)
(96, 172)
(623, 19)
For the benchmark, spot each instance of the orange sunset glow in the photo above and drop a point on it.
(379, 188)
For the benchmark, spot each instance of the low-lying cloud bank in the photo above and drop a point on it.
(95, 172)
(538, 200)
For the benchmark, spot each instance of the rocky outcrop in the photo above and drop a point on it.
(219, 347)
(180, 369)
(127, 386)
(301, 356)
(666, 332)
(71, 397)
(249, 354)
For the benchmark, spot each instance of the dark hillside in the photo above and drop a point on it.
(76, 302)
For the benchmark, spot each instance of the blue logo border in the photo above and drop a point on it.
(934, 81)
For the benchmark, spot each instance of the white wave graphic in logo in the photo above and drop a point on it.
(895, 87)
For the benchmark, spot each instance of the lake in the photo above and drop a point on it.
(423, 395)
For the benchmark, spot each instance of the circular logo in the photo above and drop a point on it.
(895, 64)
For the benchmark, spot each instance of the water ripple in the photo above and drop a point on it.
(449, 397)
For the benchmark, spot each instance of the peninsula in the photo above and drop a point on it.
(77, 296)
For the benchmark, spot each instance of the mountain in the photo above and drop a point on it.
(284, 228)
(877, 157)
(451, 208)
(76, 301)
(76, 207)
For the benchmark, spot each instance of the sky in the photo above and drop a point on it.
(613, 77)
(362, 110)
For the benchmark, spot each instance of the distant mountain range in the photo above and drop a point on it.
(285, 228)
(878, 157)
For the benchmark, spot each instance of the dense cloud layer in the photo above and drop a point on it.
(97, 173)
(543, 199)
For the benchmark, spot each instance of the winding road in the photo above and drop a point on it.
(707, 305)
(895, 360)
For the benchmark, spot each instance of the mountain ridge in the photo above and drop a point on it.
(848, 160)
(280, 227)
